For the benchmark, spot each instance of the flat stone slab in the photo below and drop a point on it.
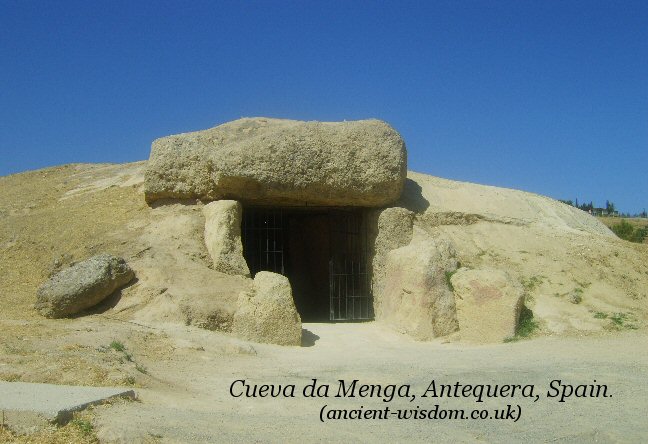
(28, 406)
(281, 162)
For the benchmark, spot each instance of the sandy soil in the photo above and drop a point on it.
(183, 376)
(191, 401)
(51, 218)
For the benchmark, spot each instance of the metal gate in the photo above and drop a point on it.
(349, 279)
(265, 235)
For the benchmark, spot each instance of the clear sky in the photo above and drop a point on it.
(544, 96)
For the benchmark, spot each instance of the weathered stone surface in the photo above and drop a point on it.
(268, 313)
(389, 228)
(223, 236)
(208, 313)
(82, 286)
(176, 283)
(275, 161)
(488, 304)
(417, 299)
(449, 202)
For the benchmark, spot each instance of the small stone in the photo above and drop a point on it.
(575, 297)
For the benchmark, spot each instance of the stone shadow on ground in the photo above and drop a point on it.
(308, 338)
(108, 303)
(159, 203)
(412, 198)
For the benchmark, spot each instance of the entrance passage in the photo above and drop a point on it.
(321, 251)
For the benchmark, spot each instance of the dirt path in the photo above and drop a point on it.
(191, 402)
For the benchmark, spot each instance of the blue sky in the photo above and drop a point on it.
(544, 96)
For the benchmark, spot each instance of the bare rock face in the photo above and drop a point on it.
(82, 286)
(391, 228)
(417, 299)
(489, 303)
(281, 162)
(223, 236)
(267, 313)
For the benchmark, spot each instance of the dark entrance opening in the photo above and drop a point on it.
(323, 252)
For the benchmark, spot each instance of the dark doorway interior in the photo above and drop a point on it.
(321, 251)
(308, 258)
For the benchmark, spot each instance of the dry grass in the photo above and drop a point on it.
(38, 226)
(47, 215)
(78, 431)
(41, 221)
(78, 352)
(637, 222)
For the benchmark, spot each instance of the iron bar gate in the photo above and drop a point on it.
(265, 236)
(264, 233)
(349, 277)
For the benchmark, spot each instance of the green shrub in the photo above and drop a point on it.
(532, 283)
(84, 426)
(117, 346)
(527, 325)
(448, 277)
(640, 234)
(627, 231)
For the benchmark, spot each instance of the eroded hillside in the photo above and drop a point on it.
(579, 278)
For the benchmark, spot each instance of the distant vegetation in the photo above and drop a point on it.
(637, 231)
(608, 210)
(629, 232)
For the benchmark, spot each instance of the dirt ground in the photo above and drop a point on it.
(51, 218)
(191, 401)
(184, 384)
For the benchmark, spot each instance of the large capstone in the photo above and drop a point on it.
(281, 162)
(82, 286)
